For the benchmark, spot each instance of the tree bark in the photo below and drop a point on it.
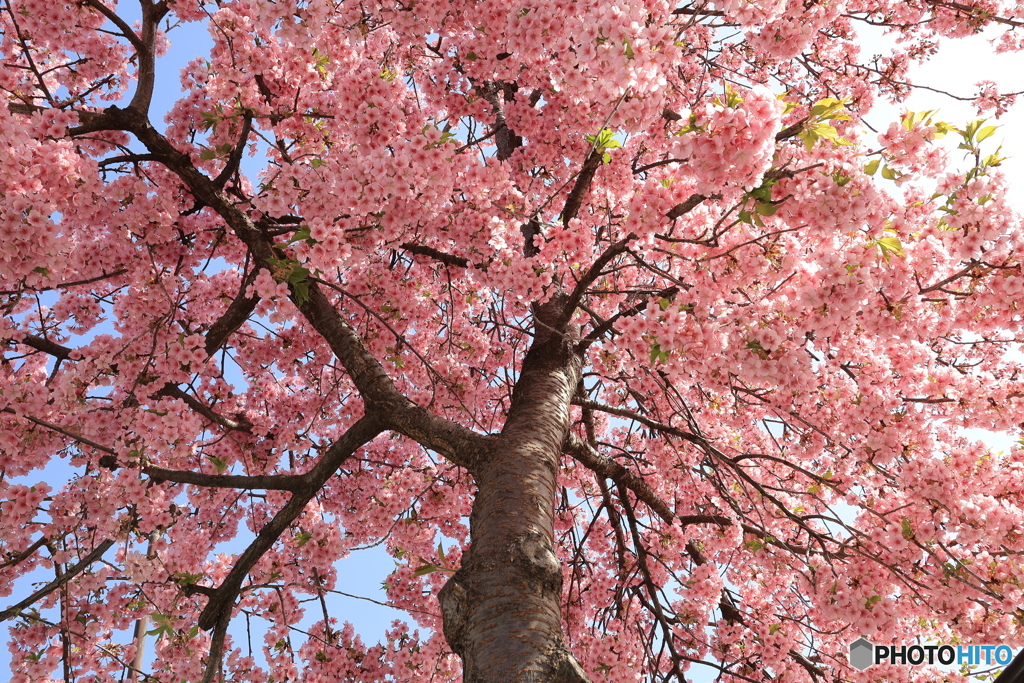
(502, 609)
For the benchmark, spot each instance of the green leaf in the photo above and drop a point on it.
(294, 273)
(766, 208)
(891, 245)
(993, 159)
(302, 538)
(606, 158)
(208, 155)
(872, 600)
(425, 569)
(301, 292)
(810, 137)
(872, 166)
(827, 108)
(985, 133)
(908, 532)
(890, 174)
(657, 354)
(225, 148)
(629, 48)
(42, 271)
(764, 192)
(298, 274)
(664, 303)
(971, 129)
(603, 140)
(321, 61)
(826, 131)
(440, 554)
(774, 628)
(210, 120)
(218, 463)
(472, 56)
(187, 579)
(912, 119)
(163, 626)
(841, 179)
(317, 163)
(301, 234)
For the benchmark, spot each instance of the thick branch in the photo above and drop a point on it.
(174, 391)
(685, 207)
(592, 274)
(505, 138)
(152, 13)
(579, 190)
(608, 324)
(361, 433)
(791, 131)
(236, 154)
(120, 23)
(458, 444)
(16, 558)
(447, 259)
(266, 482)
(47, 346)
(169, 389)
(606, 467)
(642, 419)
(71, 573)
(61, 430)
(237, 313)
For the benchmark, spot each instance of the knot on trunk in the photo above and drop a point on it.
(453, 614)
(567, 669)
(535, 553)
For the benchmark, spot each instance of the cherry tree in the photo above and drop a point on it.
(615, 323)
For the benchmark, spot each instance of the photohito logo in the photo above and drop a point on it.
(864, 654)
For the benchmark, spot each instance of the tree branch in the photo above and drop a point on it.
(459, 444)
(71, 573)
(152, 13)
(447, 259)
(359, 434)
(685, 207)
(604, 466)
(16, 558)
(169, 389)
(579, 190)
(266, 482)
(174, 391)
(61, 430)
(236, 153)
(642, 419)
(588, 279)
(608, 324)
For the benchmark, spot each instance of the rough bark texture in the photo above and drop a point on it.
(502, 609)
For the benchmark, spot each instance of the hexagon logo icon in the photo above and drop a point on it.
(861, 654)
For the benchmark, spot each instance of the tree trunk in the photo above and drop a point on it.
(502, 609)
